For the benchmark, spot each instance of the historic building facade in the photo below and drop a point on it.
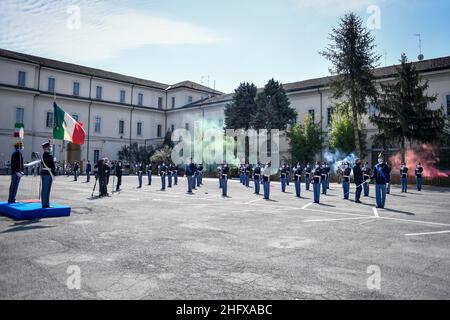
(117, 110)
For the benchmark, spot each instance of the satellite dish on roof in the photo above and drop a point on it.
(421, 57)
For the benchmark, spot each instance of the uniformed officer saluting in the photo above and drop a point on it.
(298, 179)
(47, 174)
(16, 171)
(419, 172)
(317, 179)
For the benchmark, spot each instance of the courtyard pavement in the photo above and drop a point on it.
(149, 244)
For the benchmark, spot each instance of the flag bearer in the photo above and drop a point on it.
(404, 177)
(266, 180)
(419, 172)
(380, 174)
(257, 177)
(16, 171)
(298, 179)
(317, 180)
(308, 171)
(47, 174)
(366, 176)
(346, 181)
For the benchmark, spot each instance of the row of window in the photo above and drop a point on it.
(330, 111)
(21, 82)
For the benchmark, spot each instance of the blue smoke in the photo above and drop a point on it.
(337, 158)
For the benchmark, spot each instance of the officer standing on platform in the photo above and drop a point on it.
(380, 174)
(317, 180)
(225, 173)
(257, 177)
(298, 179)
(346, 181)
(119, 171)
(88, 171)
(308, 172)
(366, 176)
(190, 168)
(266, 180)
(140, 172)
(358, 179)
(47, 174)
(16, 171)
(419, 172)
(149, 174)
(404, 177)
(283, 177)
(163, 173)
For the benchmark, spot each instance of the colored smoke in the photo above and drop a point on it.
(337, 158)
(425, 154)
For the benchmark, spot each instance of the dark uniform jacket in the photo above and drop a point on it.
(347, 172)
(284, 172)
(419, 172)
(88, 167)
(404, 172)
(16, 161)
(298, 174)
(366, 173)
(381, 173)
(48, 162)
(190, 168)
(257, 173)
(358, 175)
(225, 172)
(317, 175)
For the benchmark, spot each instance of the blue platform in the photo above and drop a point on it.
(32, 210)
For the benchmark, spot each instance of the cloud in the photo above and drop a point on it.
(101, 32)
(335, 6)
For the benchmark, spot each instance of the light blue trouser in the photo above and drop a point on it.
(194, 182)
(388, 187)
(297, 188)
(316, 188)
(200, 177)
(149, 177)
(266, 187)
(287, 180)
(189, 182)
(283, 184)
(328, 181)
(366, 189)
(88, 176)
(13, 187)
(257, 185)
(307, 182)
(175, 179)
(220, 183)
(224, 186)
(241, 178)
(380, 195)
(346, 187)
(169, 180)
(45, 192)
(324, 186)
(404, 184)
(139, 180)
(247, 180)
(163, 181)
(75, 175)
(419, 183)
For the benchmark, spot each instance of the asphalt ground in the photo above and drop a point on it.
(152, 244)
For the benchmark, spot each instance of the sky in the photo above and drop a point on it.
(227, 41)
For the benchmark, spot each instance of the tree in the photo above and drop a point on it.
(341, 134)
(403, 114)
(162, 155)
(305, 140)
(237, 114)
(168, 140)
(351, 52)
(136, 153)
(273, 109)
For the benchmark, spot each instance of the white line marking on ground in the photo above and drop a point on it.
(375, 212)
(416, 221)
(306, 205)
(426, 233)
(256, 200)
(341, 219)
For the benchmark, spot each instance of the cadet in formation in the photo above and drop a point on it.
(149, 174)
(47, 174)
(241, 173)
(346, 181)
(76, 167)
(190, 169)
(366, 172)
(119, 172)
(419, 173)
(266, 180)
(359, 180)
(327, 169)
(175, 174)
(298, 180)
(140, 173)
(323, 179)
(288, 174)
(163, 173)
(88, 171)
(225, 171)
(404, 177)
(388, 178)
(257, 177)
(247, 174)
(308, 172)
(219, 174)
(16, 171)
(317, 180)
(169, 175)
(283, 177)
(380, 174)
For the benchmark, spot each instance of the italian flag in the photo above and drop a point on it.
(67, 128)
(19, 130)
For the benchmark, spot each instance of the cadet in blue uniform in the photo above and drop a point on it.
(149, 174)
(324, 179)
(247, 174)
(404, 177)
(190, 168)
(47, 174)
(198, 175)
(283, 177)
(88, 171)
(308, 171)
(298, 179)
(380, 173)
(327, 172)
(346, 182)
(140, 172)
(241, 173)
(219, 174)
(288, 174)
(16, 171)
(257, 177)
(169, 175)
(194, 177)
(358, 179)
(388, 178)
(163, 173)
(366, 176)
(225, 171)
(119, 172)
(419, 172)
(317, 179)
(175, 174)
(266, 180)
